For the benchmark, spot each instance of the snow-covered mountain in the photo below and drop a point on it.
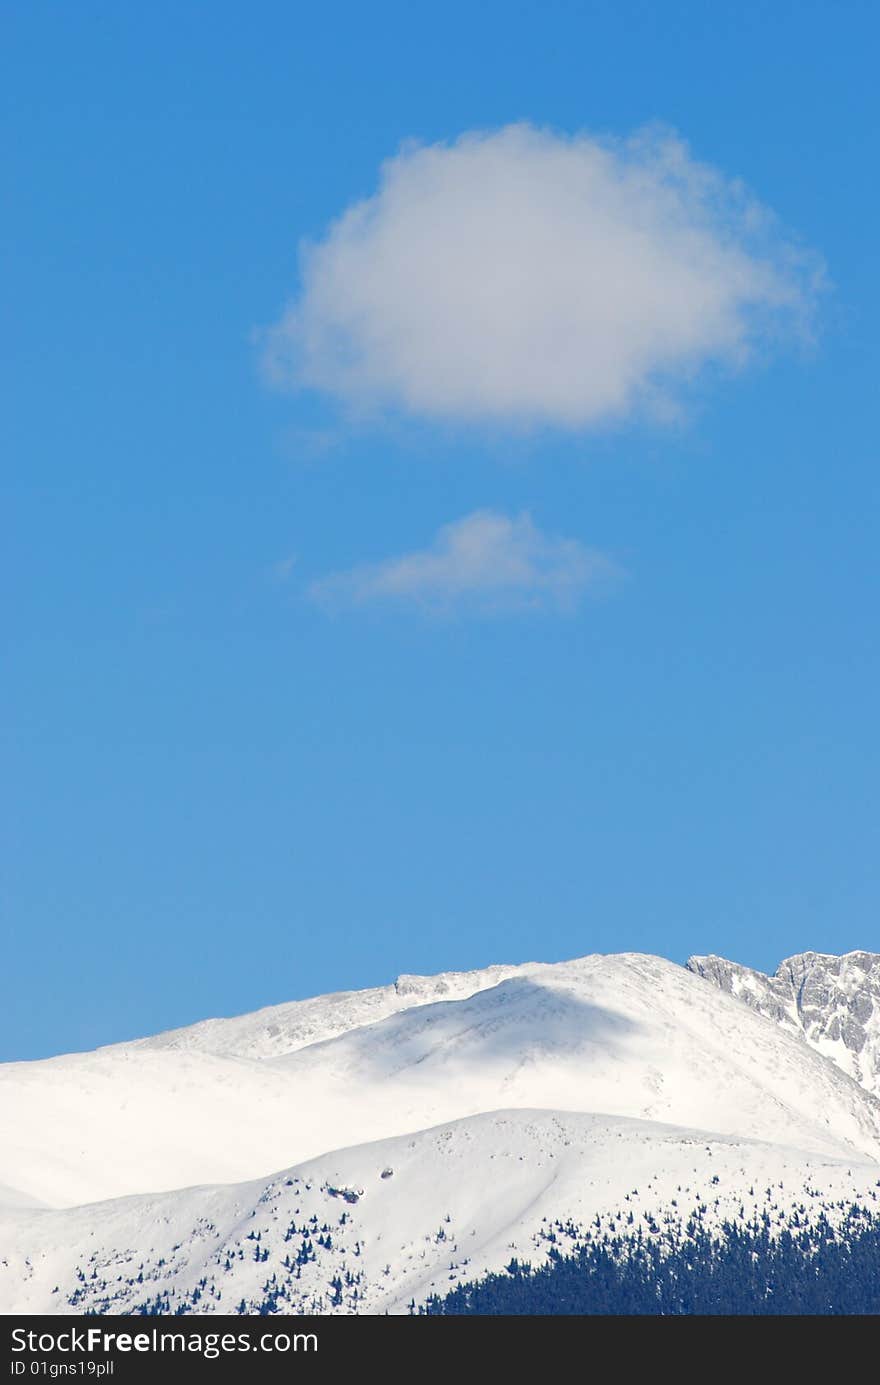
(371, 1228)
(624, 1035)
(428, 1130)
(834, 1002)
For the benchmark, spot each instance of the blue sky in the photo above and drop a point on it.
(403, 660)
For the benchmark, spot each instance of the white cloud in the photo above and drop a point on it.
(486, 563)
(521, 276)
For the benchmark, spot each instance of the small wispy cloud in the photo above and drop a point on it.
(486, 563)
(282, 570)
(525, 277)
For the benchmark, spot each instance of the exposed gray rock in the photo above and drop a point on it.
(833, 1002)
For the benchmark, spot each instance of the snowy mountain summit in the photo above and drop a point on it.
(427, 1130)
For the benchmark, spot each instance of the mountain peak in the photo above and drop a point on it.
(833, 1001)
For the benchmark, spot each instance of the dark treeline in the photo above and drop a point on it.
(739, 1268)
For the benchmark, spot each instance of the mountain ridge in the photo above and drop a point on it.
(832, 1001)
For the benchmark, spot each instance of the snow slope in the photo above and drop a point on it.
(628, 1035)
(396, 1220)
